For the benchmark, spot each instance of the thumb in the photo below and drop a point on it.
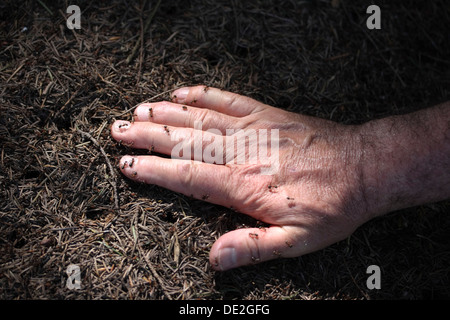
(252, 245)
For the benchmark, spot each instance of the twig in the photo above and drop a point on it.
(67, 102)
(113, 181)
(141, 38)
(155, 273)
(141, 51)
(148, 100)
(63, 229)
(45, 7)
(14, 73)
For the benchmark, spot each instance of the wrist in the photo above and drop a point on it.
(376, 168)
(405, 160)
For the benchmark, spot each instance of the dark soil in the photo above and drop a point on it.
(61, 203)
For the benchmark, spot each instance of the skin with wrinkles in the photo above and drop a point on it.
(318, 196)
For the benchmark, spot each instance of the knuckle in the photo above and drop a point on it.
(229, 100)
(253, 246)
(247, 190)
(183, 141)
(186, 171)
(196, 93)
(198, 115)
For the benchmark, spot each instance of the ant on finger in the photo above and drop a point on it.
(253, 235)
(166, 129)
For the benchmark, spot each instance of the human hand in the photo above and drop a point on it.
(314, 199)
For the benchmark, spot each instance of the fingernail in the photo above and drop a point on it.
(227, 258)
(128, 162)
(180, 94)
(144, 111)
(121, 126)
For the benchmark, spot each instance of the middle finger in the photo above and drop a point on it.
(179, 142)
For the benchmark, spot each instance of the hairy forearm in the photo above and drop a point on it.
(406, 159)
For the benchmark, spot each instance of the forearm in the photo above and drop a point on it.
(406, 159)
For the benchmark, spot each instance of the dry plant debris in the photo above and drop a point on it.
(63, 200)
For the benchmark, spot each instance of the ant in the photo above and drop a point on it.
(134, 174)
(131, 163)
(124, 164)
(166, 129)
(123, 125)
(184, 108)
(127, 143)
(150, 112)
(261, 226)
(253, 235)
(288, 244)
(205, 89)
(289, 198)
(271, 188)
(205, 196)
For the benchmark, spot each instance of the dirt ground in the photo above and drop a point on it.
(61, 203)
